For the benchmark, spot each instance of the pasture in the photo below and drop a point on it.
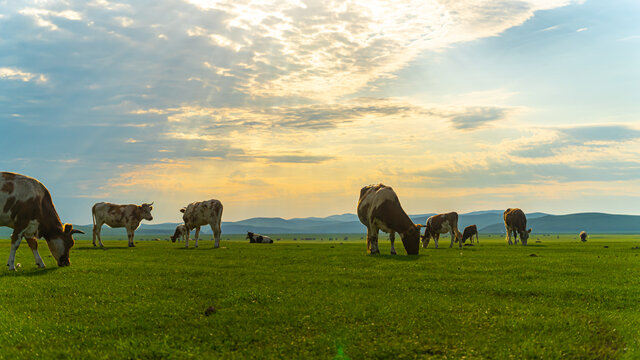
(326, 299)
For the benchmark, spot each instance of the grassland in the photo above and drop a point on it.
(326, 299)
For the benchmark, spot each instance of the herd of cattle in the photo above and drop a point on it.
(26, 207)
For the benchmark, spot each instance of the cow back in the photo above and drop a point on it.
(515, 219)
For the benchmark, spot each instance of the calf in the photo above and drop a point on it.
(380, 209)
(27, 208)
(180, 233)
(442, 224)
(117, 216)
(258, 239)
(515, 222)
(583, 236)
(201, 213)
(469, 232)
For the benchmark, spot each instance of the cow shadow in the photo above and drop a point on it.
(102, 248)
(403, 258)
(28, 272)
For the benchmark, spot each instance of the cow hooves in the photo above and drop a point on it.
(393, 253)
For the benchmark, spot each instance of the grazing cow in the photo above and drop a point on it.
(583, 236)
(258, 239)
(201, 213)
(117, 216)
(27, 208)
(380, 209)
(180, 233)
(441, 224)
(469, 232)
(515, 222)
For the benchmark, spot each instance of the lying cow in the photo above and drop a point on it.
(258, 239)
(201, 213)
(27, 208)
(469, 232)
(515, 222)
(117, 216)
(380, 209)
(442, 224)
(583, 236)
(180, 233)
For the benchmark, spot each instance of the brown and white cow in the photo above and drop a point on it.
(258, 239)
(469, 232)
(180, 233)
(201, 213)
(27, 208)
(117, 216)
(515, 222)
(583, 236)
(441, 224)
(380, 209)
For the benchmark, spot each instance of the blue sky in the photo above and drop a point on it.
(288, 108)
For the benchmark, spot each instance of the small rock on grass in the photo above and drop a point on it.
(533, 255)
(210, 310)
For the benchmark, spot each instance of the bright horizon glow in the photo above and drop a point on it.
(288, 108)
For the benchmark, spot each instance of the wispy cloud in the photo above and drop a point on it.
(582, 29)
(17, 74)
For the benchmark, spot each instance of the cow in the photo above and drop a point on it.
(380, 209)
(469, 232)
(201, 213)
(117, 216)
(27, 208)
(258, 239)
(442, 224)
(180, 233)
(515, 222)
(583, 236)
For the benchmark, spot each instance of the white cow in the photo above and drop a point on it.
(117, 216)
(201, 213)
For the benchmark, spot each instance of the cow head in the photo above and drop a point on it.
(427, 235)
(60, 245)
(524, 236)
(411, 239)
(146, 211)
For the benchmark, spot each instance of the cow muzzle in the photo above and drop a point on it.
(64, 261)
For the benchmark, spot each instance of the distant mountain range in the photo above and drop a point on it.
(487, 221)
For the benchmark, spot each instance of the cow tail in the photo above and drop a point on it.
(93, 215)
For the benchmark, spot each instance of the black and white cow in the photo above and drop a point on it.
(442, 224)
(258, 239)
(380, 209)
(515, 222)
(117, 216)
(201, 213)
(180, 233)
(27, 208)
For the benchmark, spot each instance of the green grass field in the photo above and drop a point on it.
(326, 300)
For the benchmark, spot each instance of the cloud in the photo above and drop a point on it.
(17, 74)
(582, 29)
(478, 117)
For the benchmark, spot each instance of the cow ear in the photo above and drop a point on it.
(529, 230)
(68, 228)
(182, 210)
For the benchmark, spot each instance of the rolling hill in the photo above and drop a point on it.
(487, 221)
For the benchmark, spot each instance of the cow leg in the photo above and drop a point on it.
(96, 233)
(216, 235)
(436, 238)
(372, 241)
(33, 244)
(453, 238)
(197, 235)
(130, 237)
(515, 237)
(509, 236)
(15, 242)
(186, 239)
(392, 239)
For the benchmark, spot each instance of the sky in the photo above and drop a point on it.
(288, 108)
